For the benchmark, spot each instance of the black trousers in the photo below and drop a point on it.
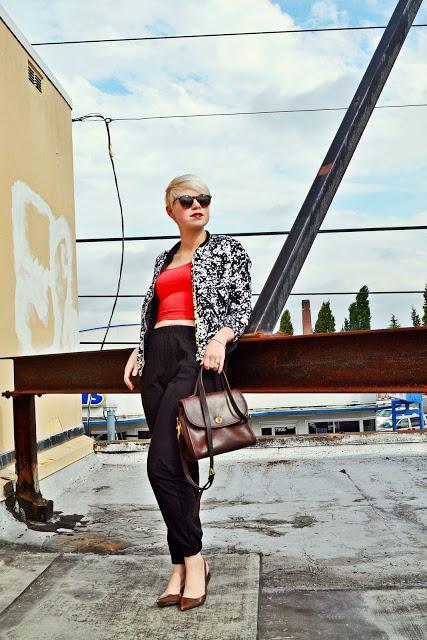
(169, 373)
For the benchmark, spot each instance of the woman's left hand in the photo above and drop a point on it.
(214, 356)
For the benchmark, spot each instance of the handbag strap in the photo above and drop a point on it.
(190, 479)
(208, 423)
(225, 385)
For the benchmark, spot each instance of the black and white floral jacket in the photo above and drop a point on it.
(221, 282)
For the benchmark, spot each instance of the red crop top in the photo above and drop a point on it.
(175, 293)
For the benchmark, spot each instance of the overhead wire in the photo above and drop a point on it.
(216, 35)
(250, 113)
(416, 227)
(298, 294)
(236, 113)
(304, 293)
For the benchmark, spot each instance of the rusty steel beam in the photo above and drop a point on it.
(384, 360)
(295, 250)
(74, 372)
(27, 494)
(374, 360)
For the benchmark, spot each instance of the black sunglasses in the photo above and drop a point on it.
(187, 201)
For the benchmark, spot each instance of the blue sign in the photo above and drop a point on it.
(96, 399)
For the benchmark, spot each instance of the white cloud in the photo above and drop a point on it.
(328, 13)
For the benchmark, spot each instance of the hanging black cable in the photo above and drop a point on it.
(107, 121)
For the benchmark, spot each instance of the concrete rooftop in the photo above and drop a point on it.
(305, 541)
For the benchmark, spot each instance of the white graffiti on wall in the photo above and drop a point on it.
(44, 290)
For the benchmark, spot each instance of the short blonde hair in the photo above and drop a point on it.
(187, 180)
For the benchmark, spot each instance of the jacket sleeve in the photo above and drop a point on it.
(240, 297)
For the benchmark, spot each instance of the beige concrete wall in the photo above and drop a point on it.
(39, 312)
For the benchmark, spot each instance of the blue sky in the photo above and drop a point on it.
(300, 10)
(357, 11)
(112, 85)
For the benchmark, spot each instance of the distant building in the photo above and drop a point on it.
(302, 414)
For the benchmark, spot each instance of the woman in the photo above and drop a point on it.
(196, 308)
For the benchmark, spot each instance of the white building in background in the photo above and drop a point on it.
(304, 413)
(271, 414)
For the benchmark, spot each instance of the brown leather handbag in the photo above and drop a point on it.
(211, 423)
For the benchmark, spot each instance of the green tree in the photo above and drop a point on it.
(425, 307)
(415, 318)
(325, 320)
(359, 313)
(286, 323)
(353, 317)
(393, 322)
(346, 325)
(362, 302)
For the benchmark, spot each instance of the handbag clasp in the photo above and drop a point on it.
(178, 427)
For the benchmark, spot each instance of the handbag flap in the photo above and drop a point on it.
(220, 408)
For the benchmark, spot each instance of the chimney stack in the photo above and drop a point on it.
(306, 317)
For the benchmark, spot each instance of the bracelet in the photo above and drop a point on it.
(218, 341)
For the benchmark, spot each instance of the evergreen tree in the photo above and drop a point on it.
(286, 323)
(425, 307)
(325, 320)
(359, 313)
(393, 322)
(353, 317)
(415, 318)
(364, 311)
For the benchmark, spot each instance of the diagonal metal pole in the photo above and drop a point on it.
(294, 252)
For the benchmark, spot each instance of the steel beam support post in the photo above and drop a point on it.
(28, 495)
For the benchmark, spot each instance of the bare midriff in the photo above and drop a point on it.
(164, 323)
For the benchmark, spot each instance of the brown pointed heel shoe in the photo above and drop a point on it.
(190, 603)
(170, 598)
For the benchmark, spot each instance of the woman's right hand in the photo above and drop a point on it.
(131, 368)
